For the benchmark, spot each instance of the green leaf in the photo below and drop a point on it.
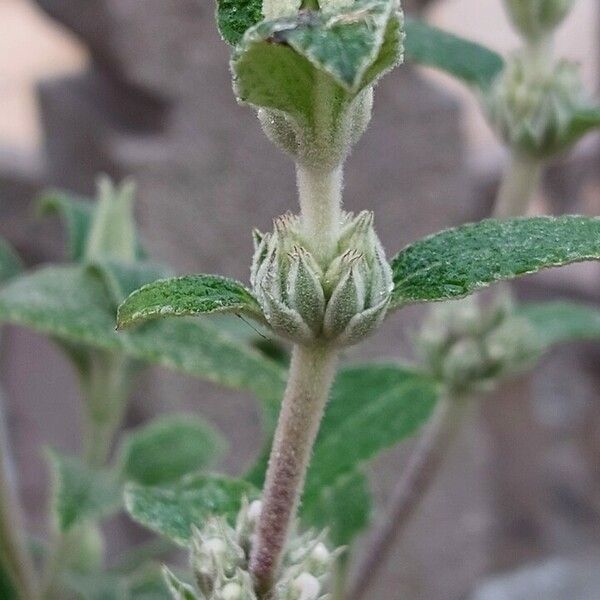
(74, 306)
(179, 590)
(123, 278)
(343, 508)
(431, 47)
(562, 322)
(7, 590)
(81, 493)
(279, 63)
(457, 262)
(371, 408)
(76, 214)
(10, 263)
(185, 296)
(147, 584)
(172, 511)
(169, 448)
(584, 121)
(235, 17)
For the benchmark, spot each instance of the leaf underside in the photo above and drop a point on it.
(235, 17)
(186, 296)
(169, 448)
(562, 322)
(172, 511)
(457, 262)
(429, 46)
(279, 64)
(72, 304)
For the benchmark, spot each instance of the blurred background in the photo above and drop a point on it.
(142, 88)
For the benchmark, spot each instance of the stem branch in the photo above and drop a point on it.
(519, 183)
(418, 475)
(311, 375)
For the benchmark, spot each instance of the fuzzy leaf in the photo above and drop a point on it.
(279, 63)
(172, 511)
(10, 263)
(185, 296)
(81, 493)
(169, 448)
(431, 47)
(74, 306)
(235, 17)
(562, 322)
(371, 408)
(458, 262)
(344, 509)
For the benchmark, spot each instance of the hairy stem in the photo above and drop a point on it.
(311, 375)
(418, 475)
(14, 557)
(320, 195)
(519, 184)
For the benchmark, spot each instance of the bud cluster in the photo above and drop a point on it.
(532, 109)
(536, 18)
(341, 301)
(469, 347)
(220, 555)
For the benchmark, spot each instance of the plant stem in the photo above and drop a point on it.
(106, 388)
(320, 195)
(105, 383)
(14, 556)
(422, 467)
(519, 183)
(311, 375)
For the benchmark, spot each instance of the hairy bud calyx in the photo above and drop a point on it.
(532, 109)
(219, 556)
(340, 301)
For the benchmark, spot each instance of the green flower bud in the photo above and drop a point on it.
(342, 301)
(536, 18)
(215, 555)
(469, 347)
(532, 109)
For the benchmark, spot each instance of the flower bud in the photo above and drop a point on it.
(215, 555)
(532, 109)
(343, 301)
(470, 347)
(220, 554)
(536, 18)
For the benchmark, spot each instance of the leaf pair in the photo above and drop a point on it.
(447, 265)
(156, 454)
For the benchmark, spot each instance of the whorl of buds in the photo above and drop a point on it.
(341, 301)
(470, 348)
(219, 556)
(536, 18)
(532, 109)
